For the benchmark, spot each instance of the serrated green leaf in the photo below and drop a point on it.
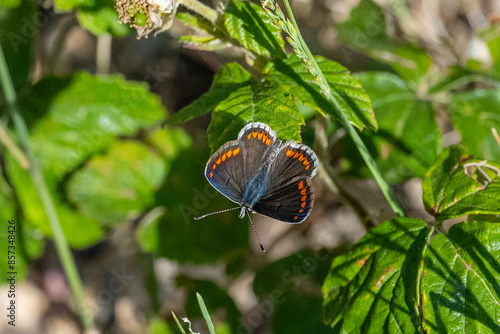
(408, 139)
(229, 79)
(366, 30)
(450, 191)
(100, 17)
(461, 280)
(122, 182)
(249, 24)
(83, 114)
(259, 102)
(474, 114)
(292, 76)
(374, 288)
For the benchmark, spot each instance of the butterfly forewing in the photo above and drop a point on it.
(256, 139)
(225, 170)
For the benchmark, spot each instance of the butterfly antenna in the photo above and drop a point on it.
(255, 230)
(214, 213)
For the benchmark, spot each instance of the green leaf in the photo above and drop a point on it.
(118, 184)
(293, 77)
(205, 313)
(229, 79)
(249, 24)
(474, 114)
(374, 287)
(83, 114)
(366, 30)
(459, 77)
(69, 5)
(451, 191)
(18, 27)
(461, 280)
(408, 139)
(78, 230)
(101, 17)
(259, 102)
(187, 194)
(10, 4)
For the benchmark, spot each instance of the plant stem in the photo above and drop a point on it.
(196, 6)
(13, 149)
(38, 179)
(325, 88)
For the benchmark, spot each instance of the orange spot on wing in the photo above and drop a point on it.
(260, 135)
(249, 135)
(301, 184)
(213, 167)
(303, 199)
(303, 191)
(211, 174)
(236, 151)
(268, 141)
(218, 161)
(229, 153)
(224, 157)
(254, 134)
(306, 162)
(303, 204)
(264, 138)
(307, 168)
(301, 157)
(295, 218)
(296, 155)
(289, 153)
(301, 210)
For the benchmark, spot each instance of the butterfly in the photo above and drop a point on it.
(262, 174)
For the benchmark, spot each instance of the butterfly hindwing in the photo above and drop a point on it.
(225, 170)
(290, 202)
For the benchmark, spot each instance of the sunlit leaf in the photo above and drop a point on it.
(293, 77)
(229, 79)
(249, 24)
(450, 190)
(461, 280)
(374, 287)
(258, 102)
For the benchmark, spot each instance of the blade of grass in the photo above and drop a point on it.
(63, 249)
(205, 313)
(178, 323)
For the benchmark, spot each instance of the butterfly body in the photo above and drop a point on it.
(261, 174)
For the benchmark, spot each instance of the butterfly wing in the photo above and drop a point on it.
(256, 138)
(225, 170)
(290, 194)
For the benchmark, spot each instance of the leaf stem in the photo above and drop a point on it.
(325, 89)
(38, 179)
(196, 6)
